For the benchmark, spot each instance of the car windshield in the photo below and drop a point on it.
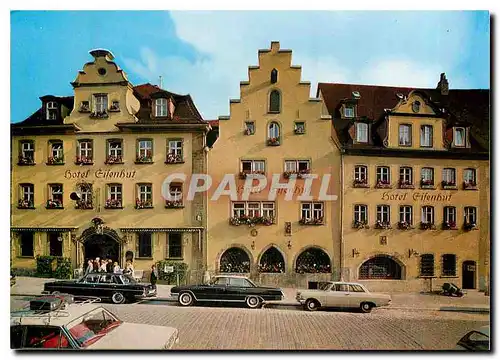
(127, 279)
(325, 286)
(90, 327)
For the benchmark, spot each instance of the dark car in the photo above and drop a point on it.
(226, 289)
(476, 340)
(116, 287)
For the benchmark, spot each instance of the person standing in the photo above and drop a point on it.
(90, 267)
(154, 276)
(116, 268)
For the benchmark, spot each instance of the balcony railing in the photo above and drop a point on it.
(273, 141)
(404, 184)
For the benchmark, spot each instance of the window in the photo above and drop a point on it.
(428, 214)
(84, 106)
(56, 152)
(426, 136)
(174, 245)
(459, 137)
(361, 213)
(415, 106)
(84, 153)
(360, 174)
(55, 196)
(115, 152)
(51, 110)
(356, 288)
(101, 103)
(404, 135)
(114, 199)
(450, 217)
(427, 176)
(469, 177)
(85, 201)
(239, 282)
(349, 111)
(405, 176)
(405, 214)
(273, 134)
(253, 166)
(175, 147)
(176, 191)
(449, 267)
(27, 152)
(383, 175)
(427, 265)
(115, 105)
(383, 214)
(470, 215)
(253, 209)
(274, 76)
(249, 128)
(238, 210)
(26, 242)
(268, 209)
(449, 178)
(161, 107)
(274, 101)
(144, 244)
(55, 243)
(299, 127)
(144, 196)
(361, 132)
(312, 211)
(26, 196)
(44, 337)
(341, 287)
(380, 267)
(144, 151)
(297, 167)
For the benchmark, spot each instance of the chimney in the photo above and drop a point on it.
(443, 84)
(275, 46)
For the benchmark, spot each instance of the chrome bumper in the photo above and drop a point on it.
(300, 300)
(174, 297)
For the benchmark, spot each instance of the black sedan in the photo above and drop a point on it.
(226, 289)
(116, 287)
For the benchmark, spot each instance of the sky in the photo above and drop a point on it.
(207, 54)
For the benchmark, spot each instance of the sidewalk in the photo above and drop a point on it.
(473, 301)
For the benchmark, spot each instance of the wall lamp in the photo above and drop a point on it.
(355, 252)
(289, 244)
(253, 245)
(412, 252)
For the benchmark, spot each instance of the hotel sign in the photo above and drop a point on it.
(416, 196)
(100, 174)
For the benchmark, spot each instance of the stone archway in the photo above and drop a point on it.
(381, 267)
(313, 260)
(234, 260)
(102, 242)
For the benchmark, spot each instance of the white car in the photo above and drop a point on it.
(341, 295)
(56, 323)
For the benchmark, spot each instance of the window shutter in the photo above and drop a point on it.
(352, 131)
(448, 137)
(467, 138)
(171, 108)
(137, 243)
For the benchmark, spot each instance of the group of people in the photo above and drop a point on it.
(107, 265)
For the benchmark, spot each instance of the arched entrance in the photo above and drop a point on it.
(380, 267)
(272, 261)
(313, 260)
(101, 246)
(469, 274)
(234, 260)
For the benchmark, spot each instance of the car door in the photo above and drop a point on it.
(338, 296)
(106, 286)
(86, 286)
(216, 291)
(238, 289)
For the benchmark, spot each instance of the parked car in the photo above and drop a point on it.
(341, 295)
(57, 322)
(226, 288)
(12, 279)
(118, 288)
(476, 340)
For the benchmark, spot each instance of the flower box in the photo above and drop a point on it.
(54, 160)
(84, 108)
(83, 204)
(470, 226)
(405, 185)
(26, 160)
(84, 160)
(313, 221)
(25, 204)
(448, 185)
(112, 159)
(273, 141)
(360, 183)
(299, 131)
(174, 159)
(426, 184)
(248, 220)
(248, 132)
(113, 204)
(300, 174)
(54, 204)
(245, 174)
(427, 226)
(99, 115)
(404, 225)
(383, 184)
(145, 159)
(143, 204)
(469, 185)
(449, 225)
(360, 224)
(172, 204)
(383, 225)
(114, 108)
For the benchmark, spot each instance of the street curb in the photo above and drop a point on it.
(466, 309)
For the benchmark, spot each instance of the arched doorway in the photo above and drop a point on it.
(272, 261)
(380, 267)
(101, 246)
(234, 260)
(469, 274)
(313, 260)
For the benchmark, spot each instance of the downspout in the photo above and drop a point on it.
(342, 242)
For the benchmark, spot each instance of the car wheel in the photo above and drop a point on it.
(366, 307)
(253, 302)
(186, 299)
(311, 305)
(118, 298)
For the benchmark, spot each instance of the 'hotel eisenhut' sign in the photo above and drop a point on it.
(417, 196)
(100, 174)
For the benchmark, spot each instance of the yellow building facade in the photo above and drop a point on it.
(88, 174)
(275, 128)
(415, 185)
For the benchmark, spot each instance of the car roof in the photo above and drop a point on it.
(56, 317)
(232, 276)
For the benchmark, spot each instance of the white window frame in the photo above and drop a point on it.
(143, 146)
(250, 127)
(294, 165)
(426, 135)
(428, 213)
(161, 107)
(176, 191)
(51, 110)
(57, 149)
(175, 147)
(450, 214)
(86, 193)
(404, 132)
(406, 214)
(115, 150)
(360, 213)
(238, 209)
(100, 103)
(361, 173)
(470, 178)
(28, 149)
(361, 132)
(348, 111)
(145, 192)
(312, 210)
(470, 215)
(384, 173)
(56, 190)
(115, 192)
(85, 148)
(406, 174)
(28, 192)
(384, 213)
(456, 131)
(273, 130)
(253, 209)
(449, 175)
(268, 209)
(256, 165)
(427, 173)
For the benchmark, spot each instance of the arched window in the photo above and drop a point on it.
(380, 267)
(313, 260)
(234, 260)
(274, 76)
(274, 130)
(272, 261)
(274, 101)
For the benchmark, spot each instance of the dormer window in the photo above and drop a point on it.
(459, 136)
(51, 110)
(361, 132)
(160, 107)
(349, 111)
(415, 106)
